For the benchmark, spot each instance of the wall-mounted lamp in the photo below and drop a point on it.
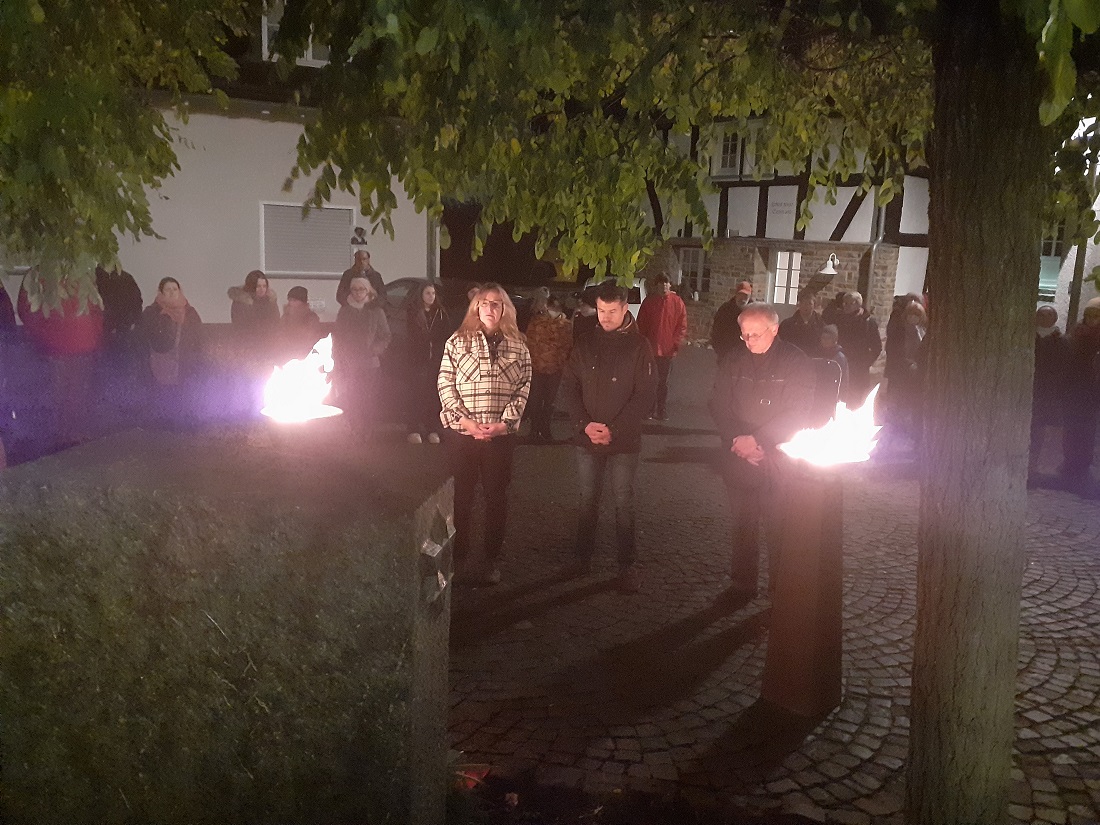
(830, 265)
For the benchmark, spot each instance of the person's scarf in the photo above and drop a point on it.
(176, 308)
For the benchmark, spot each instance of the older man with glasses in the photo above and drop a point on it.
(763, 394)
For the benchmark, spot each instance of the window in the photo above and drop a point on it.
(315, 55)
(313, 245)
(785, 285)
(737, 158)
(1054, 245)
(1052, 252)
(731, 151)
(694, 275)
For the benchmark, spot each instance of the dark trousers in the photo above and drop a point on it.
(423, 399)
(540, 404)
(489, 462)
(752, 503)
(1078, 439)
(356, 387)
(591, 470)
(664, 367)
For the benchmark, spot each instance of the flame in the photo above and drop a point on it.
(297, 391)
(847, 438)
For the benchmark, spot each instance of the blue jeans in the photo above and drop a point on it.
(591, 469)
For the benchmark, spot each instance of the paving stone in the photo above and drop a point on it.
(1021, 813)
(850, 817)
(880, 805)
(781, 787)
(1056, 816)
(548, 694)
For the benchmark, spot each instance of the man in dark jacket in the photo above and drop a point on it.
(610, 386)
(361, 268)
(803, 329)
(725, 335)
(1052, 358)
(859, 336)
(763, 395)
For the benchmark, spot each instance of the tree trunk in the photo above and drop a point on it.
(984, 232)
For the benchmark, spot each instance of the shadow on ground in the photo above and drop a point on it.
(497, 801)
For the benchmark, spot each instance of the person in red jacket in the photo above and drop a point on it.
(662, 320)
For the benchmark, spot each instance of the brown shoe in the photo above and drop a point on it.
(630, 580)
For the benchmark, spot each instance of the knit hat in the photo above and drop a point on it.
(298, 293)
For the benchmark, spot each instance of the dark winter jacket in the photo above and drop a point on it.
(1083, 372)
(343, 289)
(769, 396)
(858, 333)
(1052, 354)
(806, 335)
(182, 343)
(610, 378)
(725, 332)
(361, 337)
(121, 302)
(299, 332)
(252, 315)
(428, 333)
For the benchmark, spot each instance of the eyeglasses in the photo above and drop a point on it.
(752, 336)
(493, 304)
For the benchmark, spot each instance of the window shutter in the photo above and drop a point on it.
(315, 244)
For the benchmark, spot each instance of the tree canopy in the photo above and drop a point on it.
(557, 116)
(80, 142)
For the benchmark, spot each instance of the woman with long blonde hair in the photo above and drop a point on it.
(484, 380)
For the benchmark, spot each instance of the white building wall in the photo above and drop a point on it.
(782, 211)
(743, 205)
(912, 264)
(914, 214)
(826, 217)
(209, 215)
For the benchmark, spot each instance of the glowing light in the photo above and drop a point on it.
(296, 391)
(847, 438)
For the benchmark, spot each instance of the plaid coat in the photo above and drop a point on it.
(472, 385)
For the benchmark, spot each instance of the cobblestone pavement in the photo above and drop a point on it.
(578, 685)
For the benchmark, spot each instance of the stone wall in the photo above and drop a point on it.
(735, 259)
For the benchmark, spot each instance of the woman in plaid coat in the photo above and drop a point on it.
(484, 380)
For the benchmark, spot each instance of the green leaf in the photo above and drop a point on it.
(1085, 14)
(426, 41)
(36, 13)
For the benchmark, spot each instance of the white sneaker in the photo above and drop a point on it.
(414, 438)
(433, 438)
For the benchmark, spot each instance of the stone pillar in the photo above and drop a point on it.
(802, 669)
(224, 629)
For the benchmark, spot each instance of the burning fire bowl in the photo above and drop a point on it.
(223, 629)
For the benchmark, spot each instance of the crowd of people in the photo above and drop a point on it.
(1066, 395)
(471, 382)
